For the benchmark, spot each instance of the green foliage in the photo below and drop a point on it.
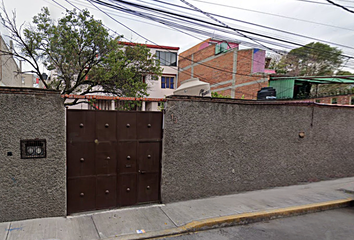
(341, 72)
(314, 59)
(218, 95)
(128, 105)
(122, 71)
(162, 106)
(334, 89)
(86, 59)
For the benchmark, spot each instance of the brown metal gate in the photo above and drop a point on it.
(113, 159)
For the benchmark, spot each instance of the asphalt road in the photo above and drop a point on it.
(329, 225)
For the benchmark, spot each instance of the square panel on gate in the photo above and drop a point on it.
(148, 187)
(126, 125)
(81, 159)
(106, 189)
(149, 156)
(106, 126)
(127, 157)
(81, 194)
(149, 125)
(105, 158)
(127, 189)
(81, 125)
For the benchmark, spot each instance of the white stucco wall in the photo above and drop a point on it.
(154, 86)
(8, 69)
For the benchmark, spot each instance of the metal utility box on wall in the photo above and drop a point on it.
(34, 148)
(32, 154)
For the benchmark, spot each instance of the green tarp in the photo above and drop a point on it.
(319, 79)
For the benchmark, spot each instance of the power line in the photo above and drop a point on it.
(256, 25)
(338, 5)
(272, 14)
(211, 66)
(155, 43)
(308, 1)
(166, 22)
(158, 45)
(225, 25)
(185, 57)
(195, 74)
(125, 17)
(221, 70)
(80, 10)
(133, 19)
(203, 21)
(196, 37)
(195, 19)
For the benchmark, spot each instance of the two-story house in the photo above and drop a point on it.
(167, 83)
(157, 89)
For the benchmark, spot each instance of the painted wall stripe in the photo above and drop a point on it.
(202, 61)
(221, 83)
(234, 70)
(236, 85)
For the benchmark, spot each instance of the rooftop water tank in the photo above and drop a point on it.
(193, 87)
(267, 93)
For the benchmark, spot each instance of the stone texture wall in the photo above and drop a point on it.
(216, 147)
(32, 188)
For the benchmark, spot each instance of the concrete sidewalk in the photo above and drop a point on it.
(180, 217)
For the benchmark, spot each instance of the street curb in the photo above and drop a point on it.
(241, 219)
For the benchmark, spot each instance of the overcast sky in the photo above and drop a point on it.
(334, 24)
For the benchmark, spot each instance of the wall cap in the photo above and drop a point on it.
(27, 90)
(252, 102)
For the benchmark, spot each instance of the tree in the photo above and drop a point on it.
(86, 59)
(122, 71)
(313, 59)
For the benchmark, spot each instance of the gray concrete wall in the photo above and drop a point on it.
(213, 148)
(32, 188)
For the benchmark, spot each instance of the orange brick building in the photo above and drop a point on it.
(229, 70)
(338, 99)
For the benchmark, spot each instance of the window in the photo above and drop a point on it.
(167, 82)
(334, 100)
(318, 101)
(167, 58)
(221, 48)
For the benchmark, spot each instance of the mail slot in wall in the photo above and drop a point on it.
(34, 148)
